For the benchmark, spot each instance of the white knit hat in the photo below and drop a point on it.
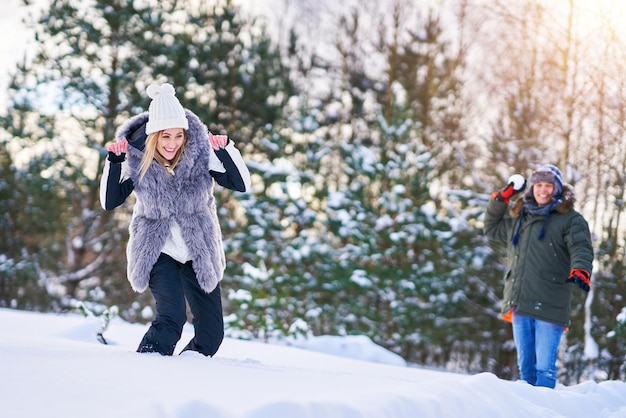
(165, 111)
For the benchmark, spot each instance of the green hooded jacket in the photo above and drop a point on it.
(537, 270)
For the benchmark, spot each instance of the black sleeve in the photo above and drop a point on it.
(231, 179)
(116, 192)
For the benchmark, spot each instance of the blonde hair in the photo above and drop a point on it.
(150, 153)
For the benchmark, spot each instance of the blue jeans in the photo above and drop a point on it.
(173, 284)
(537, 344)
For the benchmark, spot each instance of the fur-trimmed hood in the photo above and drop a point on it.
(185, 197)
(567, 205)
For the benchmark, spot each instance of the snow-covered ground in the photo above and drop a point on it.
(53, 366)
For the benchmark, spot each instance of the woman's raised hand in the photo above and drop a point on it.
(118, 147)
(218, 141)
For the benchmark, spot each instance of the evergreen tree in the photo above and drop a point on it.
(390, 258)
(283, 248)
(27, 201)
(402, 240)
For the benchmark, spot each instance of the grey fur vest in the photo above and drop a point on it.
(185, 197)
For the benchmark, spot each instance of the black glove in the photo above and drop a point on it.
(581, 277)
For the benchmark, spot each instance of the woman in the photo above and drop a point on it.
(549, 249)
(169, 159)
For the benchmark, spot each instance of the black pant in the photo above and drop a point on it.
(170, 283)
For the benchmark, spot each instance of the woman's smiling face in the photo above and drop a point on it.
(543, 191)
(169, 142)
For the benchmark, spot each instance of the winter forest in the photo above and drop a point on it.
(375, 133)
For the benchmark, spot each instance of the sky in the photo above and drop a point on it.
(13, 42)
(53, 366)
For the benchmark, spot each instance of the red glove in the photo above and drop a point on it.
(505, 194)
(581, 277)
(517, 184)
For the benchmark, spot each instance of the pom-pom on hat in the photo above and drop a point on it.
(165, 111)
